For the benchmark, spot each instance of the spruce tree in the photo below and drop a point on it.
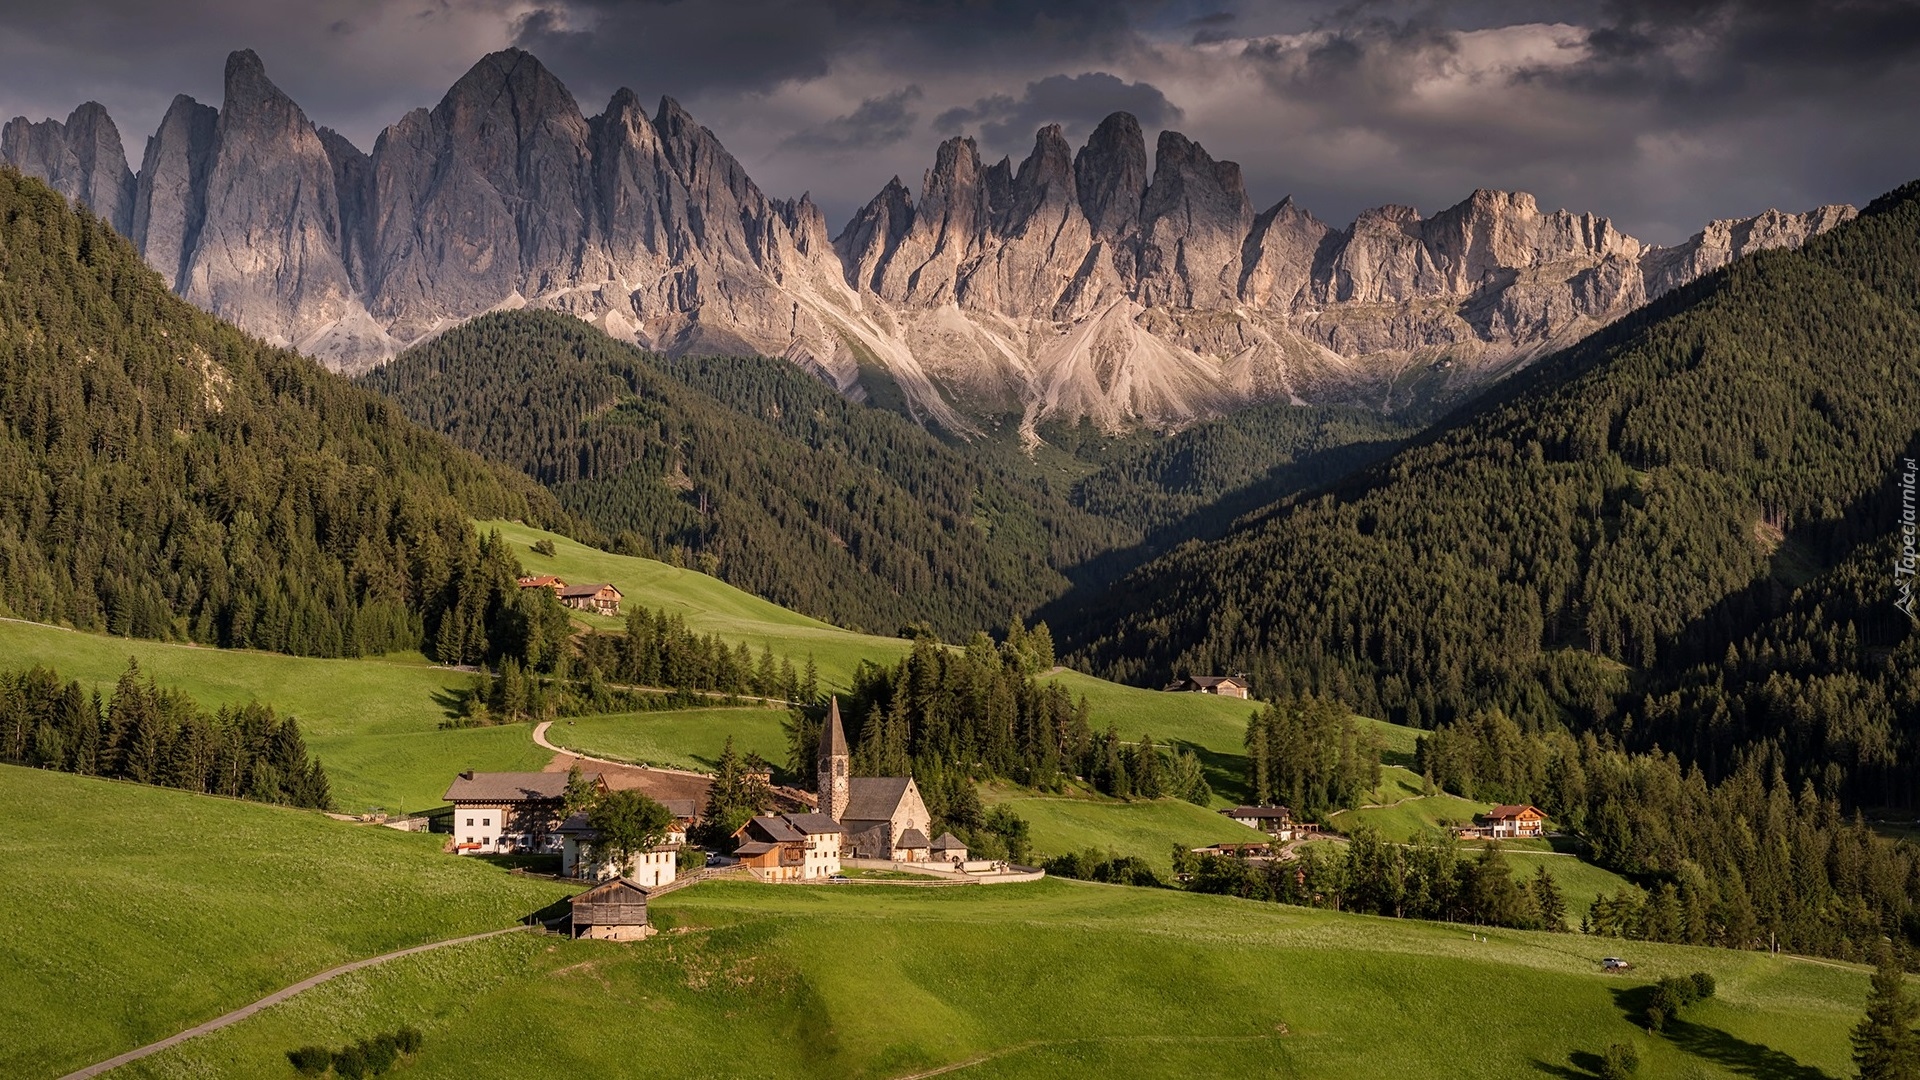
(1885, 1044)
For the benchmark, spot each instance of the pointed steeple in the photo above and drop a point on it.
(833, 764)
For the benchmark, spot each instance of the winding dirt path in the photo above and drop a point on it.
(275, 998)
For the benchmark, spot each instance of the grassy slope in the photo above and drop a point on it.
(689, 739)
(135, 912)
(1051, 979)
(373, 723)
(709, 605)
(1063, 824)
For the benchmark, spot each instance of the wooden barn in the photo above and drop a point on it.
(602, 598)
(614, 911)
(1233, 686)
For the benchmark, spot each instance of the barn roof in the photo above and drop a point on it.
(682, 809)
(1510, 811)
(510, 786)
(874, 798)
(572, 591)
(753, 847)
(614, 889)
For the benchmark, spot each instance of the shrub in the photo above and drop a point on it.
(543, 547)
(381, 1053)
(1619, 1062)
(310, 1060)
(350, 1063)
(1703, 985)
(408, 1039)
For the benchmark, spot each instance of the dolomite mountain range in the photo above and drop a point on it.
(1088, 284)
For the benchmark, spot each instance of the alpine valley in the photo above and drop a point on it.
(523, 602)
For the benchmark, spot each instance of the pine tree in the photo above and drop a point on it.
(1885, 1044)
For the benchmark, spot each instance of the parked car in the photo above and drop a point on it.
(1614, 963)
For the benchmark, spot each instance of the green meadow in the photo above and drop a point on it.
(1147, 829)
(709, 605)
(374, 723)
(683, 739)
(135, 912)
(1051, 979)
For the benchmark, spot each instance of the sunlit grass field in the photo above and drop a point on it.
(374, 723)
(1053, 979)
(133, 912)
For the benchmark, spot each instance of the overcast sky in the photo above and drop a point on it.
(1661, 114)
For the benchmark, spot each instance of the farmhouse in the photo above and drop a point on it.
(654, 867)
(790, 847)
(602, 599)
(615, 910)
(1516, 821)
(884, 816)
(497, 813)
(543, 581)
(1233, 686)
(1273, 820)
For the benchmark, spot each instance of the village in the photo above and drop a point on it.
(851, 829)
(855, 824)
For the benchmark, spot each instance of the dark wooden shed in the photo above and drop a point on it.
(614, 911)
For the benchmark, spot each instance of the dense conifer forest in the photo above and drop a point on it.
(1639, 535)
(754, 471)
(153, 736)
(785, 489)
(163, 475)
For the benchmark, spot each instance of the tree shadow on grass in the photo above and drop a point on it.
(1737, 1055)
(1585, 1066)
(1226, 773)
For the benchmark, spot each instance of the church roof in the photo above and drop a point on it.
(874, 798)
(946, 841)
(911, 838)
(833, 738)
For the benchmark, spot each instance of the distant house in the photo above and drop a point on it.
(1273, 820)
(543, 581)
(790, 847)
(1233, 686)
(613, 911)
(503, 812)
(578, 858)
(1516, 821)
(602, 599)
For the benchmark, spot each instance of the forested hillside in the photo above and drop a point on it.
(751, 470)
(1615, 540)
(163, 475)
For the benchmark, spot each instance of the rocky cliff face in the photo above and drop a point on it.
(1091, 283)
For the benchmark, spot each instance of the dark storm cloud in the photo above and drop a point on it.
(1659, 113)
(689, 48)
(1076, 103)
(879, 121)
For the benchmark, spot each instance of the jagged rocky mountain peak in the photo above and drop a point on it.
(1091, 282)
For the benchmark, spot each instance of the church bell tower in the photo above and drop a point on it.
(833, 763)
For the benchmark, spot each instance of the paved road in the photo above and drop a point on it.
(275, 998)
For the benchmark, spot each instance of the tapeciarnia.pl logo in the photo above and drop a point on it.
(1908, 563)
